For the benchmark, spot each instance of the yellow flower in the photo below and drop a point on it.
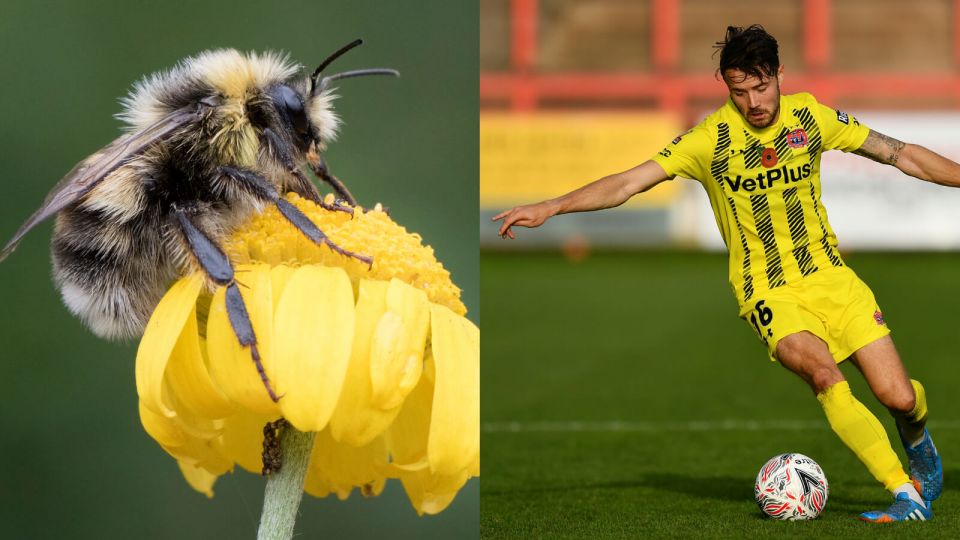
(378, 361)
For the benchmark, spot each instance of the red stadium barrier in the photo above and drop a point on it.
(521, 88)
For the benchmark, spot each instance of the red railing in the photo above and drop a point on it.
(523, 89)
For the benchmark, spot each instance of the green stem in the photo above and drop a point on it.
(285, 488)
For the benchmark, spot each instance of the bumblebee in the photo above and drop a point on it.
(218, 137)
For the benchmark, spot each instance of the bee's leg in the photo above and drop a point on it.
(262, 188)
(218, 268)
(319, 166)
(276, 147)
(281, 151)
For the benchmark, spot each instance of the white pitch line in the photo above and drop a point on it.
(693, 425)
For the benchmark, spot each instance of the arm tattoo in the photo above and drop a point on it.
(881, 148)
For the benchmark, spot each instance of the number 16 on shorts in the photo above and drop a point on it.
(760, 318)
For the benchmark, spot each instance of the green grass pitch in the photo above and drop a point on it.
(624, 398)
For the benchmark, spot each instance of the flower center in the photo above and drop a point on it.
(269, 238)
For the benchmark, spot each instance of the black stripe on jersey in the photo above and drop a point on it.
(812, 129)
(751, 154)
(747, 277)
(719, 164)
(827, 248)
(761, 216)
(717, 168)
(784, 152)
(813, 149)
(798, 232)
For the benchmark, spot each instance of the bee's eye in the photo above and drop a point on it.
(287, 101)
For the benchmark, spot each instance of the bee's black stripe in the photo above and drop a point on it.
(80, 252)
(761, 215)
(798, 232)
(86, 264)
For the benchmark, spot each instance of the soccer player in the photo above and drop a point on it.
(758, 157)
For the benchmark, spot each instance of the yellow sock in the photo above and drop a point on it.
(860, 430)
(912, 423)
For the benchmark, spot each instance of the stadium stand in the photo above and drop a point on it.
(651, 62)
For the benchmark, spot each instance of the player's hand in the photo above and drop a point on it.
(531, 215)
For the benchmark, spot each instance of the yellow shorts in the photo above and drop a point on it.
(832, 304)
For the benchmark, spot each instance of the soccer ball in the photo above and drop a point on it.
(791, 486)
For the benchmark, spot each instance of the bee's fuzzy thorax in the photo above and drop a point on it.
(234, 76)
(227, 72)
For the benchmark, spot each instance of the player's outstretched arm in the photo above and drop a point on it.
(912, 159)
(606, 192)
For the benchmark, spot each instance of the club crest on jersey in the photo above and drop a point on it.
(797, 138)
(843, 117)
(768, 158)
(679, 137)
(877, 316)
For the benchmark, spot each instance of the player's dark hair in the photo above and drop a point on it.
(751, 50)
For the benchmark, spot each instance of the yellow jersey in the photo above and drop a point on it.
(764, 187)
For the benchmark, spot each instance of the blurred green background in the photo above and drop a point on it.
(77, 462)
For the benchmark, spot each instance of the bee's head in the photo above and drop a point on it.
(304, 105)
(305, 120)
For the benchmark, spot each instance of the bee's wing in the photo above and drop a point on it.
(89, 172)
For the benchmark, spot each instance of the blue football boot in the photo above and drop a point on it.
(926, 471)
(902, 509)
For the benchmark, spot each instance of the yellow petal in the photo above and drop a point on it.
(192, 424)
(407, 435)
(396, 355)
(356, 421)
(161, 427)
(160, 336)
(338, 468)
(243, 440)
(429, 366)
(314, 331)
(430, 493)
(231, 365)
(394, 470)
(207, 455)
(455, 423)
(187, 373)
(198, 478)
(279, 277)
(169, 432)
(200, 451)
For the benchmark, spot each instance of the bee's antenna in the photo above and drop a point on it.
(315, 88)
(332, 57)
(356, 73)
